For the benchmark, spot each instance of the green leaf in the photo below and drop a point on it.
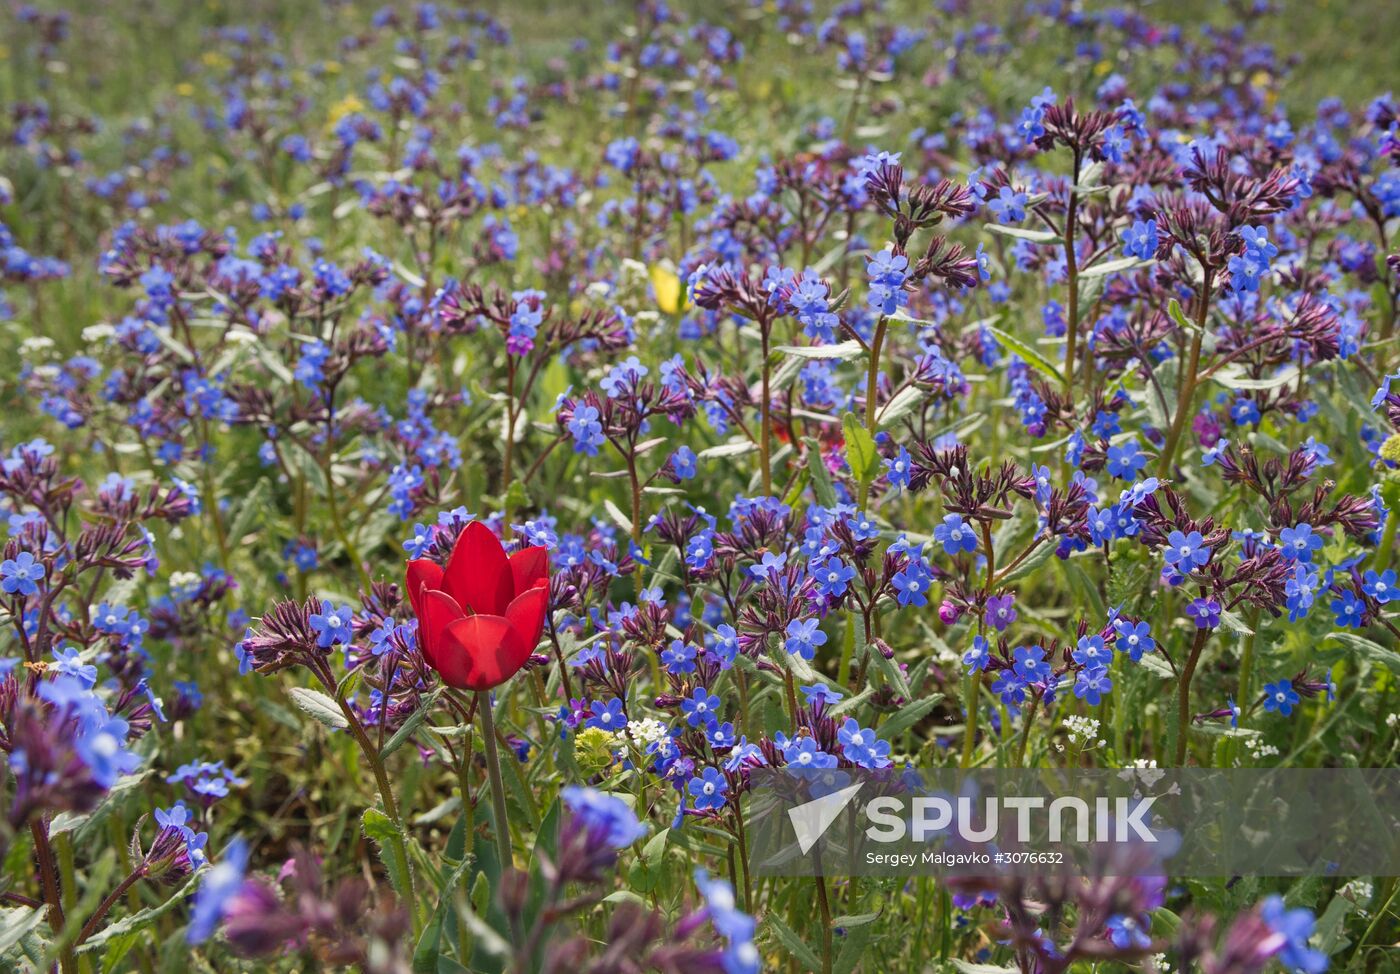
(254, 504)
(615, 512)
(1021, 233)
(905, 718)
(734, 448)
(1234, 623)
(891, 670)
(14, 924)
(843, 350)
(861, 454)
(802, 953)
(821, 478)
(900, 406)
(1177, 315)
(1375, 652)
(1029, 355)
(317, 705)
(390, 842)
(1042, 554)
(140, 920)
(1331, 926)
(71, 821)
(1236, 379)
(857, 940)
(411, 725)
(1113, 267)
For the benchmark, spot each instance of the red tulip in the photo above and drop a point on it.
(480, 618)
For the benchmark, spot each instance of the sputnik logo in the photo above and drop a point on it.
(811, 819)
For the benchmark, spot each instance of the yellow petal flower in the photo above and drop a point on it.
(667, 287)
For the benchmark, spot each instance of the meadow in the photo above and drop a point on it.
(448, 448)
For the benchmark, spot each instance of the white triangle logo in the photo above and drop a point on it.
(811, 820)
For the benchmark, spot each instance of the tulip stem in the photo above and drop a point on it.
(493, 772)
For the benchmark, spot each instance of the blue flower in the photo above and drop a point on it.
(69, 662)
(1125, 460)
(1299, 542)
(887, 272)
(911, 584)
(1140, 240)
(1010, 687)
(803, 637)
(1129, 932)
(679, 657)
(1091, 652)
(708, 790)
(1300, 591)
(833, 576)
(804, 753)
(1101, 525)
(333, 625)
(1211, 456)
(769, 565)
(956, 535)
(862, 746)
(1247, 268)
(1280, 697)
(1205, 613)
(1030, 127)
(21, 574)
(1134, 638)
(720, 736)
(1009, 205)
(1381, 586)
(863, 528)
(821, 693)
(608, 716)
(604, 815)
(1031, 665)
(700, 708)
(1244, 412)
(1186, 552)
(1091, 684)
(421, 541)
(736, 927)
(1296, 927)
(219, 885)
(683, 463)
(726, 645)
(898, 468)
(587, 432)
(979, 655)
(1349, 610)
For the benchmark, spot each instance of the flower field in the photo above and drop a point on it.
(451, 450)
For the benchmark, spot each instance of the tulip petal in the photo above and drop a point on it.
(421, 573)
(480, 652)
(530, 566)
(440, 610)
(478, 573)
(526, 614)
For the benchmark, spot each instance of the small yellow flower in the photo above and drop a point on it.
(595, 750)
(1390, 449)
(348, 105)
(667, 286)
